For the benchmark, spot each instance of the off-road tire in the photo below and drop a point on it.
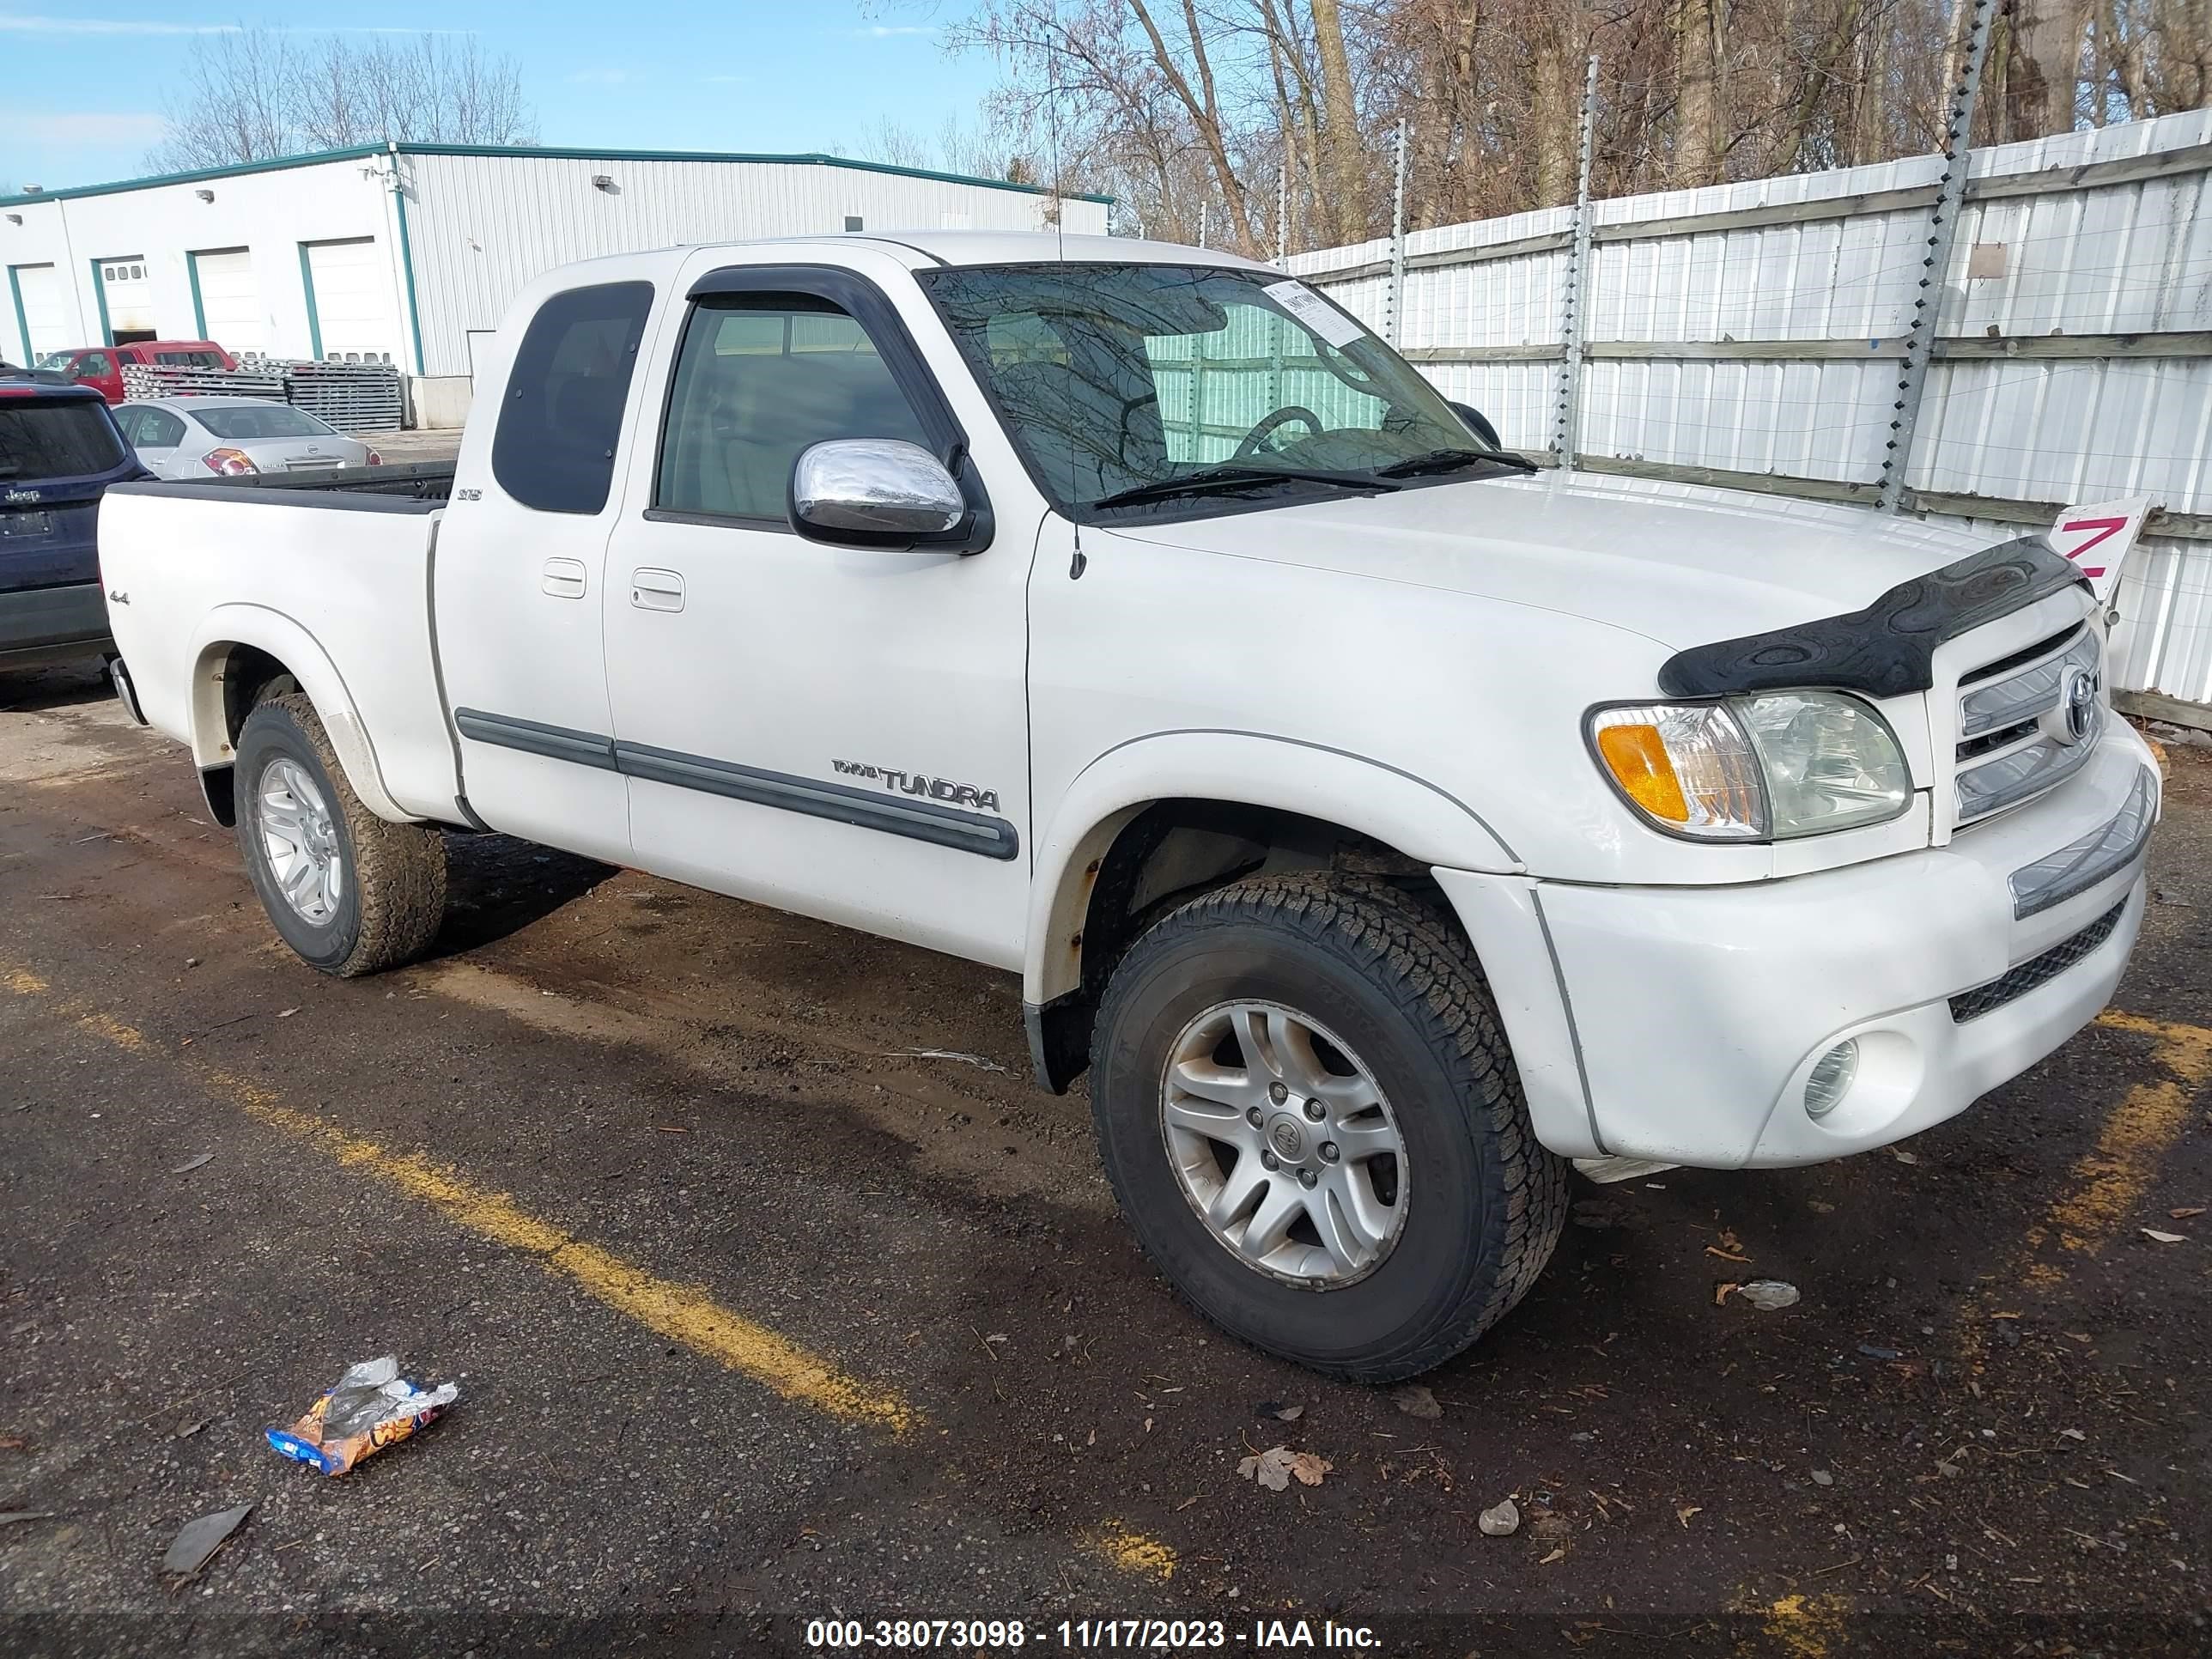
(1485, 1201)
(393, 899)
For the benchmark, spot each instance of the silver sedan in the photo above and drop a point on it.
(234, 437)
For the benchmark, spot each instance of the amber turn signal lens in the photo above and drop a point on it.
(1637, 758)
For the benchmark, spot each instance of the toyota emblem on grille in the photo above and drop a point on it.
(2077, 701)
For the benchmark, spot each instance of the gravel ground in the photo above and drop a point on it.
(760, 1318)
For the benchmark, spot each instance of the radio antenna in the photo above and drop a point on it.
(1053, 89)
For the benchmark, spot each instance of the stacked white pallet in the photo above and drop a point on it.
(181, 380)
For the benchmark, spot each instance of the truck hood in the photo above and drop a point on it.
(1680, 564)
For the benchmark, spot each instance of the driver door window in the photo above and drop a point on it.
(757, 384)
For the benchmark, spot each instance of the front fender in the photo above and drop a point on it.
(1371, 798)
(232, 625)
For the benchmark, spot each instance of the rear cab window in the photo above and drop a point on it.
(561, 418)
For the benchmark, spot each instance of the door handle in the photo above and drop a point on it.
(563, 579)
(656, 590)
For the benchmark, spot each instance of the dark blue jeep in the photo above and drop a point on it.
(59, 448)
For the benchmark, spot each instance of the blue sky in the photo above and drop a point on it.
(83, 77)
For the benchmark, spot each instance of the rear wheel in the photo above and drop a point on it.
(350, 893)
(1313, 1126)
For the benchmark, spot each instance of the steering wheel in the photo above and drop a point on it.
(1269, 424)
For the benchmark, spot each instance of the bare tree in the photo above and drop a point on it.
(254, 94)
(1188, 110)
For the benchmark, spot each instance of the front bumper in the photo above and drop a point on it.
(52, 624)
(1682, 1023)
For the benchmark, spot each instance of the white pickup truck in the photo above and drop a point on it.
(1387, 825)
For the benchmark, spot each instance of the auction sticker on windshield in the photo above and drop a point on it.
(1315, 313)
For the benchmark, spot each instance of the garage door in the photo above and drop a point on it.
(37, 291)
(230, 300)
(128, 297)
(349, 299)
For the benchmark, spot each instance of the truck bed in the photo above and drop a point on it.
(327, 573)
(416, 487)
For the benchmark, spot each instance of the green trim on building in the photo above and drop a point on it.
(308, 288)
(276, 164)
(407, 262)
(199, 310)
(22, 317)
(361, 152)
(100, 298)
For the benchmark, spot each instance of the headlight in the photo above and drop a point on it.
(1754, 769)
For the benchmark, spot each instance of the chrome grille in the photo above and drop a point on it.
(2017, 736)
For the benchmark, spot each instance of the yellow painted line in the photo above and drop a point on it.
(1131, 1551)
(2108, 1183)
(681, 1313)
(1805, 1626)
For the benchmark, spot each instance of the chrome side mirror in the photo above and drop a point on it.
(873, 491)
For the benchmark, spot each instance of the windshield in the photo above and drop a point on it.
(56, 360)
(1116, 380)
(243, 423)
(56, 438)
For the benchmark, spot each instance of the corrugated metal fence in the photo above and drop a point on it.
(1752, 335)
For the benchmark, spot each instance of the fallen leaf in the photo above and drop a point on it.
(1721, 1291)
(198, 1540)
(193, 1164)
(2186, 1210)
(1417, 1401)
(2153, 1234)
(1291, 1414)
(186, 1430)
(1684, 1514)
(1271, 1468)
(1308, 1469)
(1904, 1157)
(2073, 1434)
(1820, 1206)
(1556, 1555)
(286, 1013)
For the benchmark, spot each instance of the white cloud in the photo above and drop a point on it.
(21, 23)
(130, 129)
(16, 23)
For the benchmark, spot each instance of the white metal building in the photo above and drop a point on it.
(408, 254)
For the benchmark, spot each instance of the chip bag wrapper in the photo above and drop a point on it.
(368, 1408)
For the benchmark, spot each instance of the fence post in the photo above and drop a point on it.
(1282, 215)
(1942, 228)
(1394, 301)
(1566, 416)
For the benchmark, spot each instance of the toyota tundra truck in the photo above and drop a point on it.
(1387, 826)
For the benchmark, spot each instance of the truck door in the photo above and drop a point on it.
(837, 731)
(519, 569)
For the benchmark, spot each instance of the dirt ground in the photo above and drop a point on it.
(762, 1317)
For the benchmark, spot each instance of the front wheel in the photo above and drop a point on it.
(350, 893)
(1313, 1124)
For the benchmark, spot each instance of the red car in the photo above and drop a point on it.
(101, 366)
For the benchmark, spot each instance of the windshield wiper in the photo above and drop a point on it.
(1217, 479)
(1452, 460)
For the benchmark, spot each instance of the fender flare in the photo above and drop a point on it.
(228, 626)
(1420, 819)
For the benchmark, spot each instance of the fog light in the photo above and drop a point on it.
(1831, 1079)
